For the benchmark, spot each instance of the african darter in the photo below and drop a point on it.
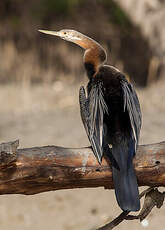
(111, 116)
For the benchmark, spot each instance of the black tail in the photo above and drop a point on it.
(125, 182)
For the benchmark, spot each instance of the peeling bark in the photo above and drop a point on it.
(41, 169)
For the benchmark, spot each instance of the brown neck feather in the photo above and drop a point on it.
(94, 55)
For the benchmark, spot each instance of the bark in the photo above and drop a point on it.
(40, 169)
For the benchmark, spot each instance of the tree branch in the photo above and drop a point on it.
(40, 169)
(124, 215)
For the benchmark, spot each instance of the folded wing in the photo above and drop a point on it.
(132, 106)
(92, 109)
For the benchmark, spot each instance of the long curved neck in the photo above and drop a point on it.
(94, 55)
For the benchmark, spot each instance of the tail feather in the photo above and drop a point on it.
(125, 182)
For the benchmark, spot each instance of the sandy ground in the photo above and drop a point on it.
(44, 115)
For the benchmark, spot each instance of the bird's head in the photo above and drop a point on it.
(94, 54)
(66, 34)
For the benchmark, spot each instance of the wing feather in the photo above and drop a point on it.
(132, 106)
(92, 111)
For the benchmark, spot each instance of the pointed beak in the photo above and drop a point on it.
(55, 33)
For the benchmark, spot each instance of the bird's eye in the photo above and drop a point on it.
(64, 32)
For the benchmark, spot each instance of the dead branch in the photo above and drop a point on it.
(153, 198)
(123, 216)
(40, 169)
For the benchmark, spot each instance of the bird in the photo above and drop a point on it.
(111, 115)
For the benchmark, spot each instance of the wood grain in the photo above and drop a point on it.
(40, 169)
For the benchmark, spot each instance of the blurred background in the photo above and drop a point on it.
(40, 77)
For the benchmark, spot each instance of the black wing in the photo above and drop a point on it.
(132, 106)
(92, 110)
